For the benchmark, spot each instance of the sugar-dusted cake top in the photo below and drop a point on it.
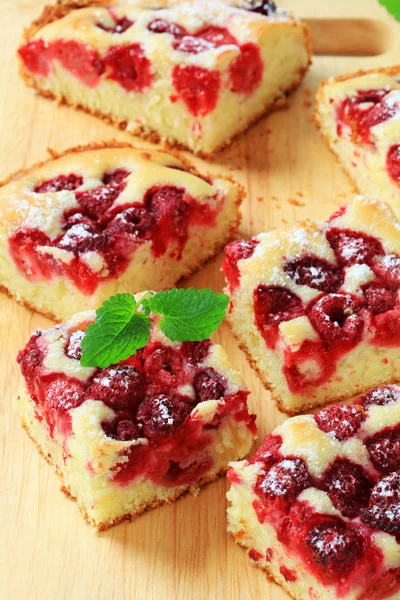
(85, 212)
(329, 483)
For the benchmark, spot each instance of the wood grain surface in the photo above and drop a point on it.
(181, 551)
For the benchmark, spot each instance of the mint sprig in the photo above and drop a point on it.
(120, 328)
(393, 7)
(117, 332)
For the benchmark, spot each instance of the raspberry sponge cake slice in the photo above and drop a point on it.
(99, 220)
(318, 505)
(192, 72)
(359, 117)
(317, 307)
(144, 429)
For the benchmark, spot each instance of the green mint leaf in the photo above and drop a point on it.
(393, 6)
(189, 315)
(117, 332)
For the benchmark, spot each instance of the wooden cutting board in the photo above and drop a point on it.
(180, 551)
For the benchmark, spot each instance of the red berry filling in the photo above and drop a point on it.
(120, 25)
(198, 88)
(196, 352)
(340, 420)
(62, 182)
(124, 430)
(363, 111)
(128, 66)
(353, 247)
(247, 69)
(269, 452)
(80, 60)
(205, 39)
(384, 449)
(388, 268)
(73, 347)
(393, 163)
(380, 299)
(234, 252)
(315, 272)
(335, 547)
(382, 396)
(163, 220)
(160, 415)
(121, 387)
(36, 57)
(336, 319)
(348, 487)
(383, 511)
(272, 306)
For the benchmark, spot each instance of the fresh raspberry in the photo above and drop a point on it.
(73, 346)
(393, 163)
(123, 429)
(246, 70)
(196, 352)
(120, 25)
(171, 212)
(164, 366)
(80, 60)
(198, 88)
(209, 385)
(218, 36)
(273, 305)
(234, 252)
(63, 394)
(382, 396)
(341, 421)
(353, 247)
(57, 184)
(263, 7)
(121, 387)
(282, 483)
(335, 547)
(161, 26)
(128, 66)
(387, 268)
(380, 299)
(335, 318)
(384, 449)
(347, 486)
(80, 238)
(383, 511)
(315, 272)
(269, 452)
(116, 177)
(36, 57)
(160, 415)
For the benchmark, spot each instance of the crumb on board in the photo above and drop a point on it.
(284, 221)
(260, 198)
(300, 194)
(296, 202)
(307, 92)
(307, 104)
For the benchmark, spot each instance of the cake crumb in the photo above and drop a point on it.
(296, 202)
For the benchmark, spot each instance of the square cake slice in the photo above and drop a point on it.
(139, 433)
(193, 73)
(318, 505)
(359, 117)
(317, 307)
(100, 220)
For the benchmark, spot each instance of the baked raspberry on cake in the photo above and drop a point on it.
(317, 307)
(318, 505)
(105, 219)
(139, 433)
(192, 72)
(359, 117)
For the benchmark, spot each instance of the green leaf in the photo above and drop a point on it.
(117, 332)
(189, 315)
(393, 6)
